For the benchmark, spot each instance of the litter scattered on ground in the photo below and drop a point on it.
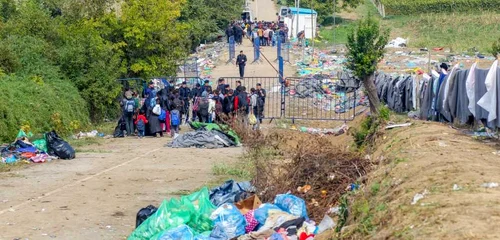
(490, 185)
(397, 43)
(398, 125)
(50, 147)
(418, 197)
(456, 187)
(320, 131)
(91, 134)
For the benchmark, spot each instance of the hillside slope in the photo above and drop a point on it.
(448, 168)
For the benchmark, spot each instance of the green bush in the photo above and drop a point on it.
(40, 105)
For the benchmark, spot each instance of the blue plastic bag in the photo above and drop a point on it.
(291, 204)
(180, 232)
(230, 220)
(262, 213)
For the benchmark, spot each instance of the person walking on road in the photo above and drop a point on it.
(241, 61)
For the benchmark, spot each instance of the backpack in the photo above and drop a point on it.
(242, 102)
(163, 115)
(260, 102)
(203, 107)
(175, 118)
(140, 125)
(152, 102)
(130, 106)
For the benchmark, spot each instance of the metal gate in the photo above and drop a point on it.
(272, 106)
(304, 98)
(319, 99)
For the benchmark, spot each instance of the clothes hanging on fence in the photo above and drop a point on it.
(461, 96)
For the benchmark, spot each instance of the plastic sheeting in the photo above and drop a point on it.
(230, 192)
(202, 139)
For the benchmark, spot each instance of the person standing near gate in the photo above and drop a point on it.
(261, 101)
(185, 94)
(241, 61)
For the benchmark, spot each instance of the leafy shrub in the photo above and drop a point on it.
(55, 104)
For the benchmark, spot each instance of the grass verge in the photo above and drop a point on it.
(460, 32)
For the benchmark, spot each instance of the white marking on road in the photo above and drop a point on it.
(13, 208)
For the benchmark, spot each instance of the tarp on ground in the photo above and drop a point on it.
(202, 139)
(212, 126)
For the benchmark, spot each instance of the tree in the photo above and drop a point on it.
(324, 8)
(366, 48)
(154, 41)
(495, 49)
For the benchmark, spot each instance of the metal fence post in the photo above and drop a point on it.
(232, 50)
(283, 85)
(256, 50)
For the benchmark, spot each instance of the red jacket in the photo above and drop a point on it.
(141, 117)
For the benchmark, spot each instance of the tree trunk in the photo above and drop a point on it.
(371, 90)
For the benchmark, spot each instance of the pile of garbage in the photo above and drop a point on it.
(206, 135)
(50, 147)
(230, 211)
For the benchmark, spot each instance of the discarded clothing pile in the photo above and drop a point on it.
(38, 151)
(230, 211)
(206, 135)
(398, 92)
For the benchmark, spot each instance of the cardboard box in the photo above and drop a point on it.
(253, 202)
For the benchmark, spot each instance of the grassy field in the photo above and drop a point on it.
(457, 31)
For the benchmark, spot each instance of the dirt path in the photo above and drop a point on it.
(97, 195)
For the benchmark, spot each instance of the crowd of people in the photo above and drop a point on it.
(267, 32)
(165, 110)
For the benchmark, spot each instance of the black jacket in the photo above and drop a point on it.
(241, 59)
(228, 104)
(229, 32)
(185, 93)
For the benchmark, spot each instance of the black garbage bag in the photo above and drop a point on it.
(144, 214)
(120, 128)
(231, 192)
(56, 146)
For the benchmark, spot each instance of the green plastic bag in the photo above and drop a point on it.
(193, 210)
(22, 134)
(41, 145)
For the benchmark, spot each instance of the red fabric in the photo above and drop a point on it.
(304, 236)
(143, 119)
(167, 120)
(236, 103)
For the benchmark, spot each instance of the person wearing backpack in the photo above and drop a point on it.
(128, 114)
(185, 95)
(203, 106)
(254, 108)
(261, 101)
(175, 121)
(241, 104)
(228, 104)
(140, 123)
(154, 121)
